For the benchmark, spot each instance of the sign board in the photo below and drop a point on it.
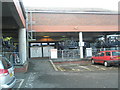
(81, 43)
(53, 53)
(88, 52)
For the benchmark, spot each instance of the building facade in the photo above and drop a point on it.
(62, 26)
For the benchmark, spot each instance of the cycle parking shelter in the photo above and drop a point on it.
(13, 57)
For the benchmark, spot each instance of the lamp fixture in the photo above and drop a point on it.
(46, 36)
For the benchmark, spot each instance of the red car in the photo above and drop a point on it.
(107, 57)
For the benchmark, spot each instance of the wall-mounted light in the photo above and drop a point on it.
(46, 39)
(46, 36)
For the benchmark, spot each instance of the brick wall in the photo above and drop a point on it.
(46, 22)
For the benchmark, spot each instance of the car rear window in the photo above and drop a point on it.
(115, 53)
(6, 64)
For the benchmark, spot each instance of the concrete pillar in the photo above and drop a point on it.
(81, 44)
(22, 45)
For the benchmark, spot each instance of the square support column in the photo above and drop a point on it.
(80, 44)
(22, 45)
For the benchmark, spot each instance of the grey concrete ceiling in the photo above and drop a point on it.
(8, 21)
(11, 21)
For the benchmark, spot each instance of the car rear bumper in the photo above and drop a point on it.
(10, 84)
(114, 62)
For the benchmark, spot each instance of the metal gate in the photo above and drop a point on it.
(68, 54)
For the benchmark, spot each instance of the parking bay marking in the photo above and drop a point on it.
(31, 78)
(21, 82)
(85, 68)
(76, 69)
(61, 69)
(98, 67)
(53, 65)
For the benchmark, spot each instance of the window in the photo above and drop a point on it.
(97, 54)
(115, 53)
(44, 44)
(107, 53)
(51, 43)
(35, 44)
(102, 54)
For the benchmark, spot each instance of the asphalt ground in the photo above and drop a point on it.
(41, 74)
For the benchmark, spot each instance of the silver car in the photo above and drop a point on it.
(7, 78)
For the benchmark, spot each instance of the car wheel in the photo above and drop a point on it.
(93, 62)
(106, 64)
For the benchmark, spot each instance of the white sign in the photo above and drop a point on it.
(53, 53)
(88, 52)
(81, 43)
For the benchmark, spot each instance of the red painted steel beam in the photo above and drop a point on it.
(44, 28)
(19, 10)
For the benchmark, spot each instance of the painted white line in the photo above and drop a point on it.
(85, 68)
(31, 78)
(73, 69)
(99, 67)
(95, 66)
(22, 80)
(61, 69)
(103, 68)
(53, 65)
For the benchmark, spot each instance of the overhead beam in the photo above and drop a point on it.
(17, 13)
(45, 28)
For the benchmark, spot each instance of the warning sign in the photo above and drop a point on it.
(53, 53)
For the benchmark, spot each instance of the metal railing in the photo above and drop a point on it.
(68, 54)
(13, 57)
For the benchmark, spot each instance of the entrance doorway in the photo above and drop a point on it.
(40, 50)
(46, 51)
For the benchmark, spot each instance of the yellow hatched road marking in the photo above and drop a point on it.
(103, 68)
(98, 67)
(75, 69)
(86, 68)
(61, 69)
(95, 66)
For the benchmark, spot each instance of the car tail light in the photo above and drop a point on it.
(113, 57)
(3, 72)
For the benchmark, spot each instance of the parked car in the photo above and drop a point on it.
(107, 57)
(7, 78)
